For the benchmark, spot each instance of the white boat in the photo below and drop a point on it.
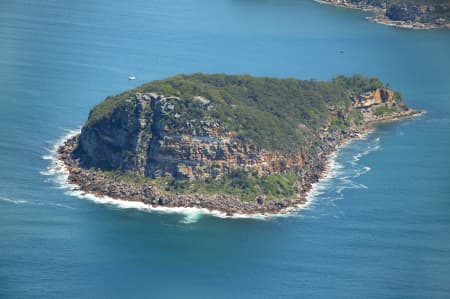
(132, 77)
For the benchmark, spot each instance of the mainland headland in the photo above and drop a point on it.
(233, 143)
(414, 14)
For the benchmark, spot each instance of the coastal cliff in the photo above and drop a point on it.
(415, 14)
(237, 144)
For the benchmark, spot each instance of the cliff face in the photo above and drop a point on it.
(155, 136)
(234, 143)
(378, 97)
(120, 141)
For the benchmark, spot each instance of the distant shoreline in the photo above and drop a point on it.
(95, 183)
(379, 16)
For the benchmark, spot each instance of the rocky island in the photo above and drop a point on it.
(415, 14)
(233, 143)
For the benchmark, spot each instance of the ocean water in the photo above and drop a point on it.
(378, 226)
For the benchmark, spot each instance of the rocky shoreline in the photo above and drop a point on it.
(379, 16)
(95, 182)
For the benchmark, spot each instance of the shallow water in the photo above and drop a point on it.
(377, 227)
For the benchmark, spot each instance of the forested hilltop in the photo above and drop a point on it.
(275, 114)
(419, 14)
(235, 143)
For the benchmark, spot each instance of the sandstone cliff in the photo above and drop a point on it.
(237, 143)
(153, 135)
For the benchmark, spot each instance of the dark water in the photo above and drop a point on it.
(378, 227)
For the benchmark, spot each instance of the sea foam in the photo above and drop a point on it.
(16, 201)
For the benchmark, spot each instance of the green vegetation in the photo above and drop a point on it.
(383, 110)
(240, 183)
(276, 114)
(129, 177)
(282, 115)
(249, 186)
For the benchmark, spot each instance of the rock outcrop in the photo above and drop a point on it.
(421, 13)
(119, 141)
(403, 13)
(379, 97)
(154, 136)
(181, 151)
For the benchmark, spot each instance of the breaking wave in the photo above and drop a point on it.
(345, 170)
(16, 201)
(20, 201)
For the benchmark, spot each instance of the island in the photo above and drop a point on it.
(231, 143)
(415, 14)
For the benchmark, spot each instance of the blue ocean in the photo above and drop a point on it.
(377, 226)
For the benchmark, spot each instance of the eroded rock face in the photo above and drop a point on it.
(380, 96)
(152, 135)
(118, 141)
(155, 136)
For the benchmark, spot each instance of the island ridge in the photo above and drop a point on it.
(232, 143)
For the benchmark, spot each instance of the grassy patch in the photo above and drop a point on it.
(383, 110)
(239, 183)
(242, 184)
